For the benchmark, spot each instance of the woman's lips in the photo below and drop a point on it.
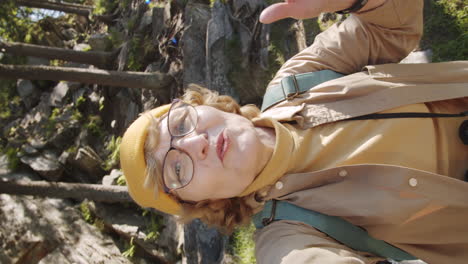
(222, 145)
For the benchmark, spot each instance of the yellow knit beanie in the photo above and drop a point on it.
(132, 161)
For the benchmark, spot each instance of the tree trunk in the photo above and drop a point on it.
(97, 58)
(154, 80)
(79, 191)
(81, 10)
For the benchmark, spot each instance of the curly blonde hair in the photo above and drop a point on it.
(225, 214)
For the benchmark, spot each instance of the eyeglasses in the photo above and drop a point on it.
(178, 165)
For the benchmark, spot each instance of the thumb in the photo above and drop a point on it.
(276, 12)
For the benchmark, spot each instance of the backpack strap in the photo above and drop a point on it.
(293, 85)
(335, 227)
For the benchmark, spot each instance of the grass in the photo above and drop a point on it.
(154, 227)
(12, 156)
(242, 245)
(113, 147)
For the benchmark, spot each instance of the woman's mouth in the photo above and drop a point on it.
(222, 145)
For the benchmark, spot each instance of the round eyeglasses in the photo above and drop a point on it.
(178, 165)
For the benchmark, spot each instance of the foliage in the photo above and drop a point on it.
(446, 29)
(12, 156)
(116, 38)
(52, 121)
(121, 180)
(113, 147)
(130, 251)
(7, 93)
(86, 212)
(154, 227)
(89, 217)
(134, 58)
(242, 245)
(80, 100)
(94, 125)
(14, 21)
(104, 6)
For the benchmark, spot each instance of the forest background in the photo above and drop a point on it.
(74, 74)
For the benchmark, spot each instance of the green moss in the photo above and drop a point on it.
(242, 245)
(72, 149)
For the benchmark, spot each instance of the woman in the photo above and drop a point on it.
(400, 179)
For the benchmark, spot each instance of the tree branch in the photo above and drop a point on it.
(154, 80)
(97, 58)
(79, 191)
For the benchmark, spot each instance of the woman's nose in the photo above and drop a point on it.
(196, 145)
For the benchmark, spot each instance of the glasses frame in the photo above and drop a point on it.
(168, 190)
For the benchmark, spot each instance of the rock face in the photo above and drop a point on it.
(36, 230)
(28, 92)
(203, 244)
(423, 56)
(47, 165)
(99, 42)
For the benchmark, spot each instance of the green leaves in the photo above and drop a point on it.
(14, 21)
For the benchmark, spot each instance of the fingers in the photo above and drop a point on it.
(276, 12)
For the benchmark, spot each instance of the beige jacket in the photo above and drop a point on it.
(421, 212)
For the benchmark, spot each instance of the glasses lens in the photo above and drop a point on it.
(178, 169)
(182, 119)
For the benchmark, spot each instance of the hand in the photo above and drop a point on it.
(301, 9)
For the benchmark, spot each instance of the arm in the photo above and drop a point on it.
(290, 242)
(380, 33)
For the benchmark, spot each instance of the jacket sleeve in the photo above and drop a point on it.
(385, 34)
(291, 242)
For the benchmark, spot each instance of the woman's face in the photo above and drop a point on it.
(226, 151)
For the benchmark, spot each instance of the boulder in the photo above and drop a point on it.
(423, 56)
(42, 230)
(4, 168)
(99, 41)
(60, 91)
(203, 244)
(69, 33)
(146, 20)
(82, 47)
(129, 223)
(194, 41)
(68, 130)
(219, 32)
(46, 164)
(111, 179)
(28, 92)
(87, 160)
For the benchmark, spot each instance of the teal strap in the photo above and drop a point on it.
(335, 227)
(293, 85)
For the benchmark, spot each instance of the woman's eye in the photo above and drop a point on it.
(178, 169)
(181, 128)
